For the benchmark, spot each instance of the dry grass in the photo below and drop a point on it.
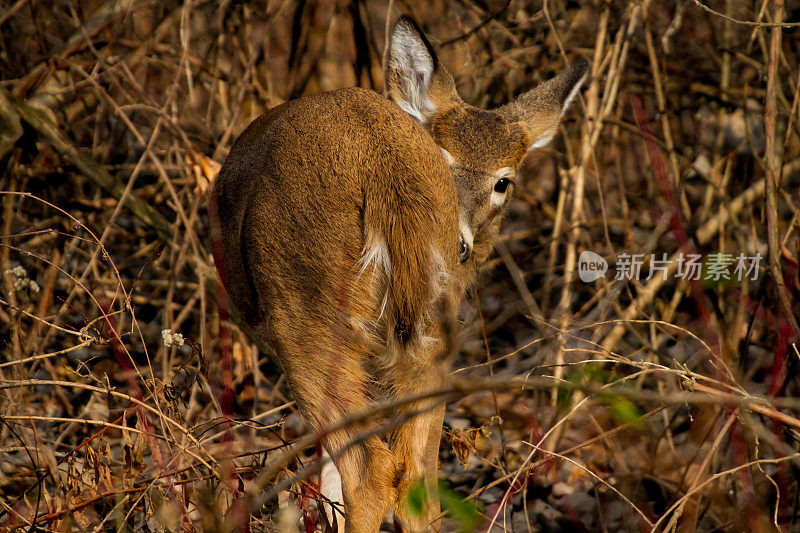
(615, 405)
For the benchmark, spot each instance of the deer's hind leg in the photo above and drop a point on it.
(412, 443)
(431, 465)
(329, 384)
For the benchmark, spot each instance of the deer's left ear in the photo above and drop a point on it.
(415, 78)
(539, 110)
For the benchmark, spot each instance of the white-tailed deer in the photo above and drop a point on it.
(351, 225)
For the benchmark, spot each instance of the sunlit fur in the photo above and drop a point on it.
(344, 217)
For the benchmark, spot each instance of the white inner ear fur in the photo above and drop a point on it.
(546, 137)
(572, 94)
(543, 139)
(415, 65)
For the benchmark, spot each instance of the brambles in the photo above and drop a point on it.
(673, 400)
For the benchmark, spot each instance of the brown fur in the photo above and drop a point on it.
(343, 231)
(480, 142)
(296, 165)
(300, 193)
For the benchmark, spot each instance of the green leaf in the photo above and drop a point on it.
(466, 512)
(563, 398)
(415, 500)
(624, 410)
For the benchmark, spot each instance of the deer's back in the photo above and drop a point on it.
(304, 191)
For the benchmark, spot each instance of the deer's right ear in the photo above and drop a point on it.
(415, 78)
(539, 110)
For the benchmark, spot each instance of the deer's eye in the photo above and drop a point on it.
(501, 185)
(463, 254)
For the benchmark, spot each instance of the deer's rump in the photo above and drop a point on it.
(343, 213)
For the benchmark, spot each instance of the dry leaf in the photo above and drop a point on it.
(204, 169)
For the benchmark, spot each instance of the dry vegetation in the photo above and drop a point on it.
(615, 405)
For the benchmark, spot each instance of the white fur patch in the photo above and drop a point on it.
(411, 59)
(505, 172)
(542, 140)
(331, 488)
(572, 94)
(376, 253)
(497, 198)
(466, 231)
(448, 156)
(407, 107)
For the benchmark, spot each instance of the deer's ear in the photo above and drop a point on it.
(415, 78)
(539, 110)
